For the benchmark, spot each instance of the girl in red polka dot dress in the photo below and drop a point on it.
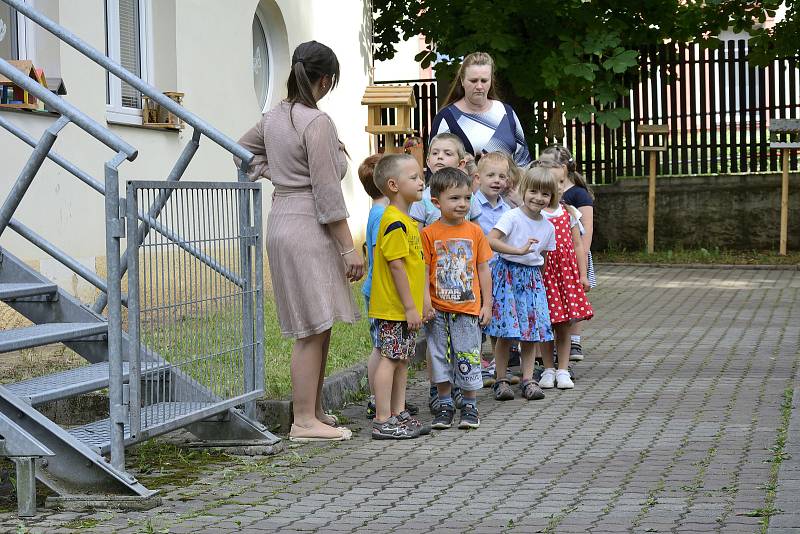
(566, 284)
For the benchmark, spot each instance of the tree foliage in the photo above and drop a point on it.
(581, 54)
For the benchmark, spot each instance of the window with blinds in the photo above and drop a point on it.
(8, 32)
(127, 34)
(130, 49)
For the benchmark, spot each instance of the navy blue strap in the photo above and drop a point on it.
(395, 226)
(452, 124)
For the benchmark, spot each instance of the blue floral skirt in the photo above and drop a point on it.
(519, 310)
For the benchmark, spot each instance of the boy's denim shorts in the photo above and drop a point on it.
(454, 341)
(373, 326)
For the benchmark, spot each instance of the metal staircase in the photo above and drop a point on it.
(153, 387)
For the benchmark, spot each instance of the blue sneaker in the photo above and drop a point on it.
(458, 398)
(433, 403)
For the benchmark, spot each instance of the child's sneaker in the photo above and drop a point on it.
(371, 407)
(531, 390)
(575, 352)
(512, 378)
(423, 429)
(458, 398)
(563, 381)
(487, 373)
(514, 355)
(488, 379)
(547, 381)
(410, 408)
(392, 428)
(469, 417)
(444, 419)
(503, 391)
(433, 403)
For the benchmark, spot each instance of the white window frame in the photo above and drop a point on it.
(26, 44)
(115, 111)
(264, 20)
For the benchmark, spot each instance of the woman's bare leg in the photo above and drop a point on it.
(307, 361)
(319, 412)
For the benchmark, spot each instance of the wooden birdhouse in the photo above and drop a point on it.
(659, 134)
(156, 116)
(398, 100)
(12, 96)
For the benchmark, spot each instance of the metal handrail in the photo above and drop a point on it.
(53, 101)
(118, 70)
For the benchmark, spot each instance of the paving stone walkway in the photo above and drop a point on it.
(670, 428)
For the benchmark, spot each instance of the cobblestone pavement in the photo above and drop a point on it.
(670, 428)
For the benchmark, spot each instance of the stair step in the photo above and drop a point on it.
(66, 384)
(97, 434)
(44, 334)
(13, 291)
(72, 382)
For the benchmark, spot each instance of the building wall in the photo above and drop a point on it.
(202, 48)
(730, 211)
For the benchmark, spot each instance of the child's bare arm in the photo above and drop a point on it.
(583, 258)
(587, 219)
(398, 270)
(485, 280)
(427, 308)
(498, 245)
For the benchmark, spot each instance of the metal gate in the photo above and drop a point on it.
(195, 310)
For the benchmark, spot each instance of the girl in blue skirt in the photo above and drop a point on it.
(522, 237)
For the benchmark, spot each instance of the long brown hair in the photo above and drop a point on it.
(310, 62)
(457, 87)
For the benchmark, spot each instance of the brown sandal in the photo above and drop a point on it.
(530, 390)
(502, 390)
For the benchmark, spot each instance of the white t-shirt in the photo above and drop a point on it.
(518, 228)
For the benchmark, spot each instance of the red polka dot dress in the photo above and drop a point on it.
(565, 296)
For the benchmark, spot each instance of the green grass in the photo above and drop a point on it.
(350, 344)
(700, 255)
(188, 338)
(778, 456)
(158, 463)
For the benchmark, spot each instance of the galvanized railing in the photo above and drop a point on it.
(111, 293)
(204, 320)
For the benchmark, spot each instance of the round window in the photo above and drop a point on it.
(260, 61)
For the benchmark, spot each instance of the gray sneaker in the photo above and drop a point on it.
(413, 423)
(392, 428)
(575, 352)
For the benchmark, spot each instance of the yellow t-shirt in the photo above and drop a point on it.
(398, 237)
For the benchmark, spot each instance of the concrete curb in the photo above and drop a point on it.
(338, 389)
(703, 266)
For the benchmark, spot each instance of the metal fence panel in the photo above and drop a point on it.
(196, 339)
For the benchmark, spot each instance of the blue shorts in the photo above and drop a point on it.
(373, 326)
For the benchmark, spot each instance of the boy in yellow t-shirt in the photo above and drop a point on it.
(458, 297)
(398, 286)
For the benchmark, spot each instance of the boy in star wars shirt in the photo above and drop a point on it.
(458, 297)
